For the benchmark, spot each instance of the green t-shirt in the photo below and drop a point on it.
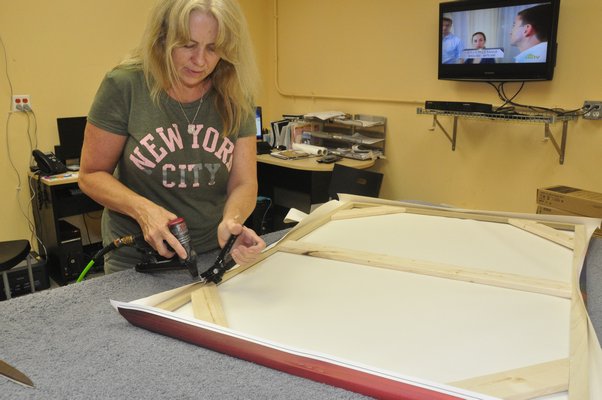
(187, 173)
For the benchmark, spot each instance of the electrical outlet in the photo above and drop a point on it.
(592, 109)
(21, 102)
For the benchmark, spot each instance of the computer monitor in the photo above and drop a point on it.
(258, 123)
(71, 138)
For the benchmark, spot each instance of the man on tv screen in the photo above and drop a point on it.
(452, 45)
(530, 34)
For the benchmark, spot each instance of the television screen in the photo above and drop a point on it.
(258, 123)
(498, 40)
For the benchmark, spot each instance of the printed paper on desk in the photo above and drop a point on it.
(59, 177)
(289, 154)
(359, 138)
(358, 122)
(324, 115)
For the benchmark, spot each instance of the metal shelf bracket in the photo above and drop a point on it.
(560, 148)
(452, 137)
(533, 118)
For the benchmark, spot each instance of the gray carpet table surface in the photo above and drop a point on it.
(74, 345)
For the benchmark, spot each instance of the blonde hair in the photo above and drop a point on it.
(235, 78)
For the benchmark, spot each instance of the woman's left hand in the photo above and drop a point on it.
(248, 245)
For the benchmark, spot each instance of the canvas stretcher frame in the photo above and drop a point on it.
(208, 325)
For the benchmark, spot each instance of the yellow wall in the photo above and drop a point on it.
(383, 53)
(57, 52)
(373, 57)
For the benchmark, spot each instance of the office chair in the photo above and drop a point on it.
(354, 181)
(12, 253)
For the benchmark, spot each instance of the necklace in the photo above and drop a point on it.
(191, 124)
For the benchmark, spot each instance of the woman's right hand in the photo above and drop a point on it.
(153, 221)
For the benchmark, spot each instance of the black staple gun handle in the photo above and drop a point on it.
(219, 268)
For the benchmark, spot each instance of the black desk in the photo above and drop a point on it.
(296, 183)
(55, 198)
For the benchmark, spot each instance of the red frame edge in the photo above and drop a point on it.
(305, 367)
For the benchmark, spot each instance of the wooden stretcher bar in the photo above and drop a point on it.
(207, 306)
(578, 376)
(544, 231)
(522, 383)
(510, 281)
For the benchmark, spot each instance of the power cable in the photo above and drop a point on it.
(510, 106)
(32, 143)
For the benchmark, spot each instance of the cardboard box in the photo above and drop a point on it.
(577, 201)
(554, 211)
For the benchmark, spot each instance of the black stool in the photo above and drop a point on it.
(11, 254)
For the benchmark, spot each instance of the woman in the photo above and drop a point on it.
(171, 134)
(478, 42)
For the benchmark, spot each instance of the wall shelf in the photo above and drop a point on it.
(545, 119)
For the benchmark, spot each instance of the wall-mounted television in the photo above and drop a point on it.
(498, 40)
